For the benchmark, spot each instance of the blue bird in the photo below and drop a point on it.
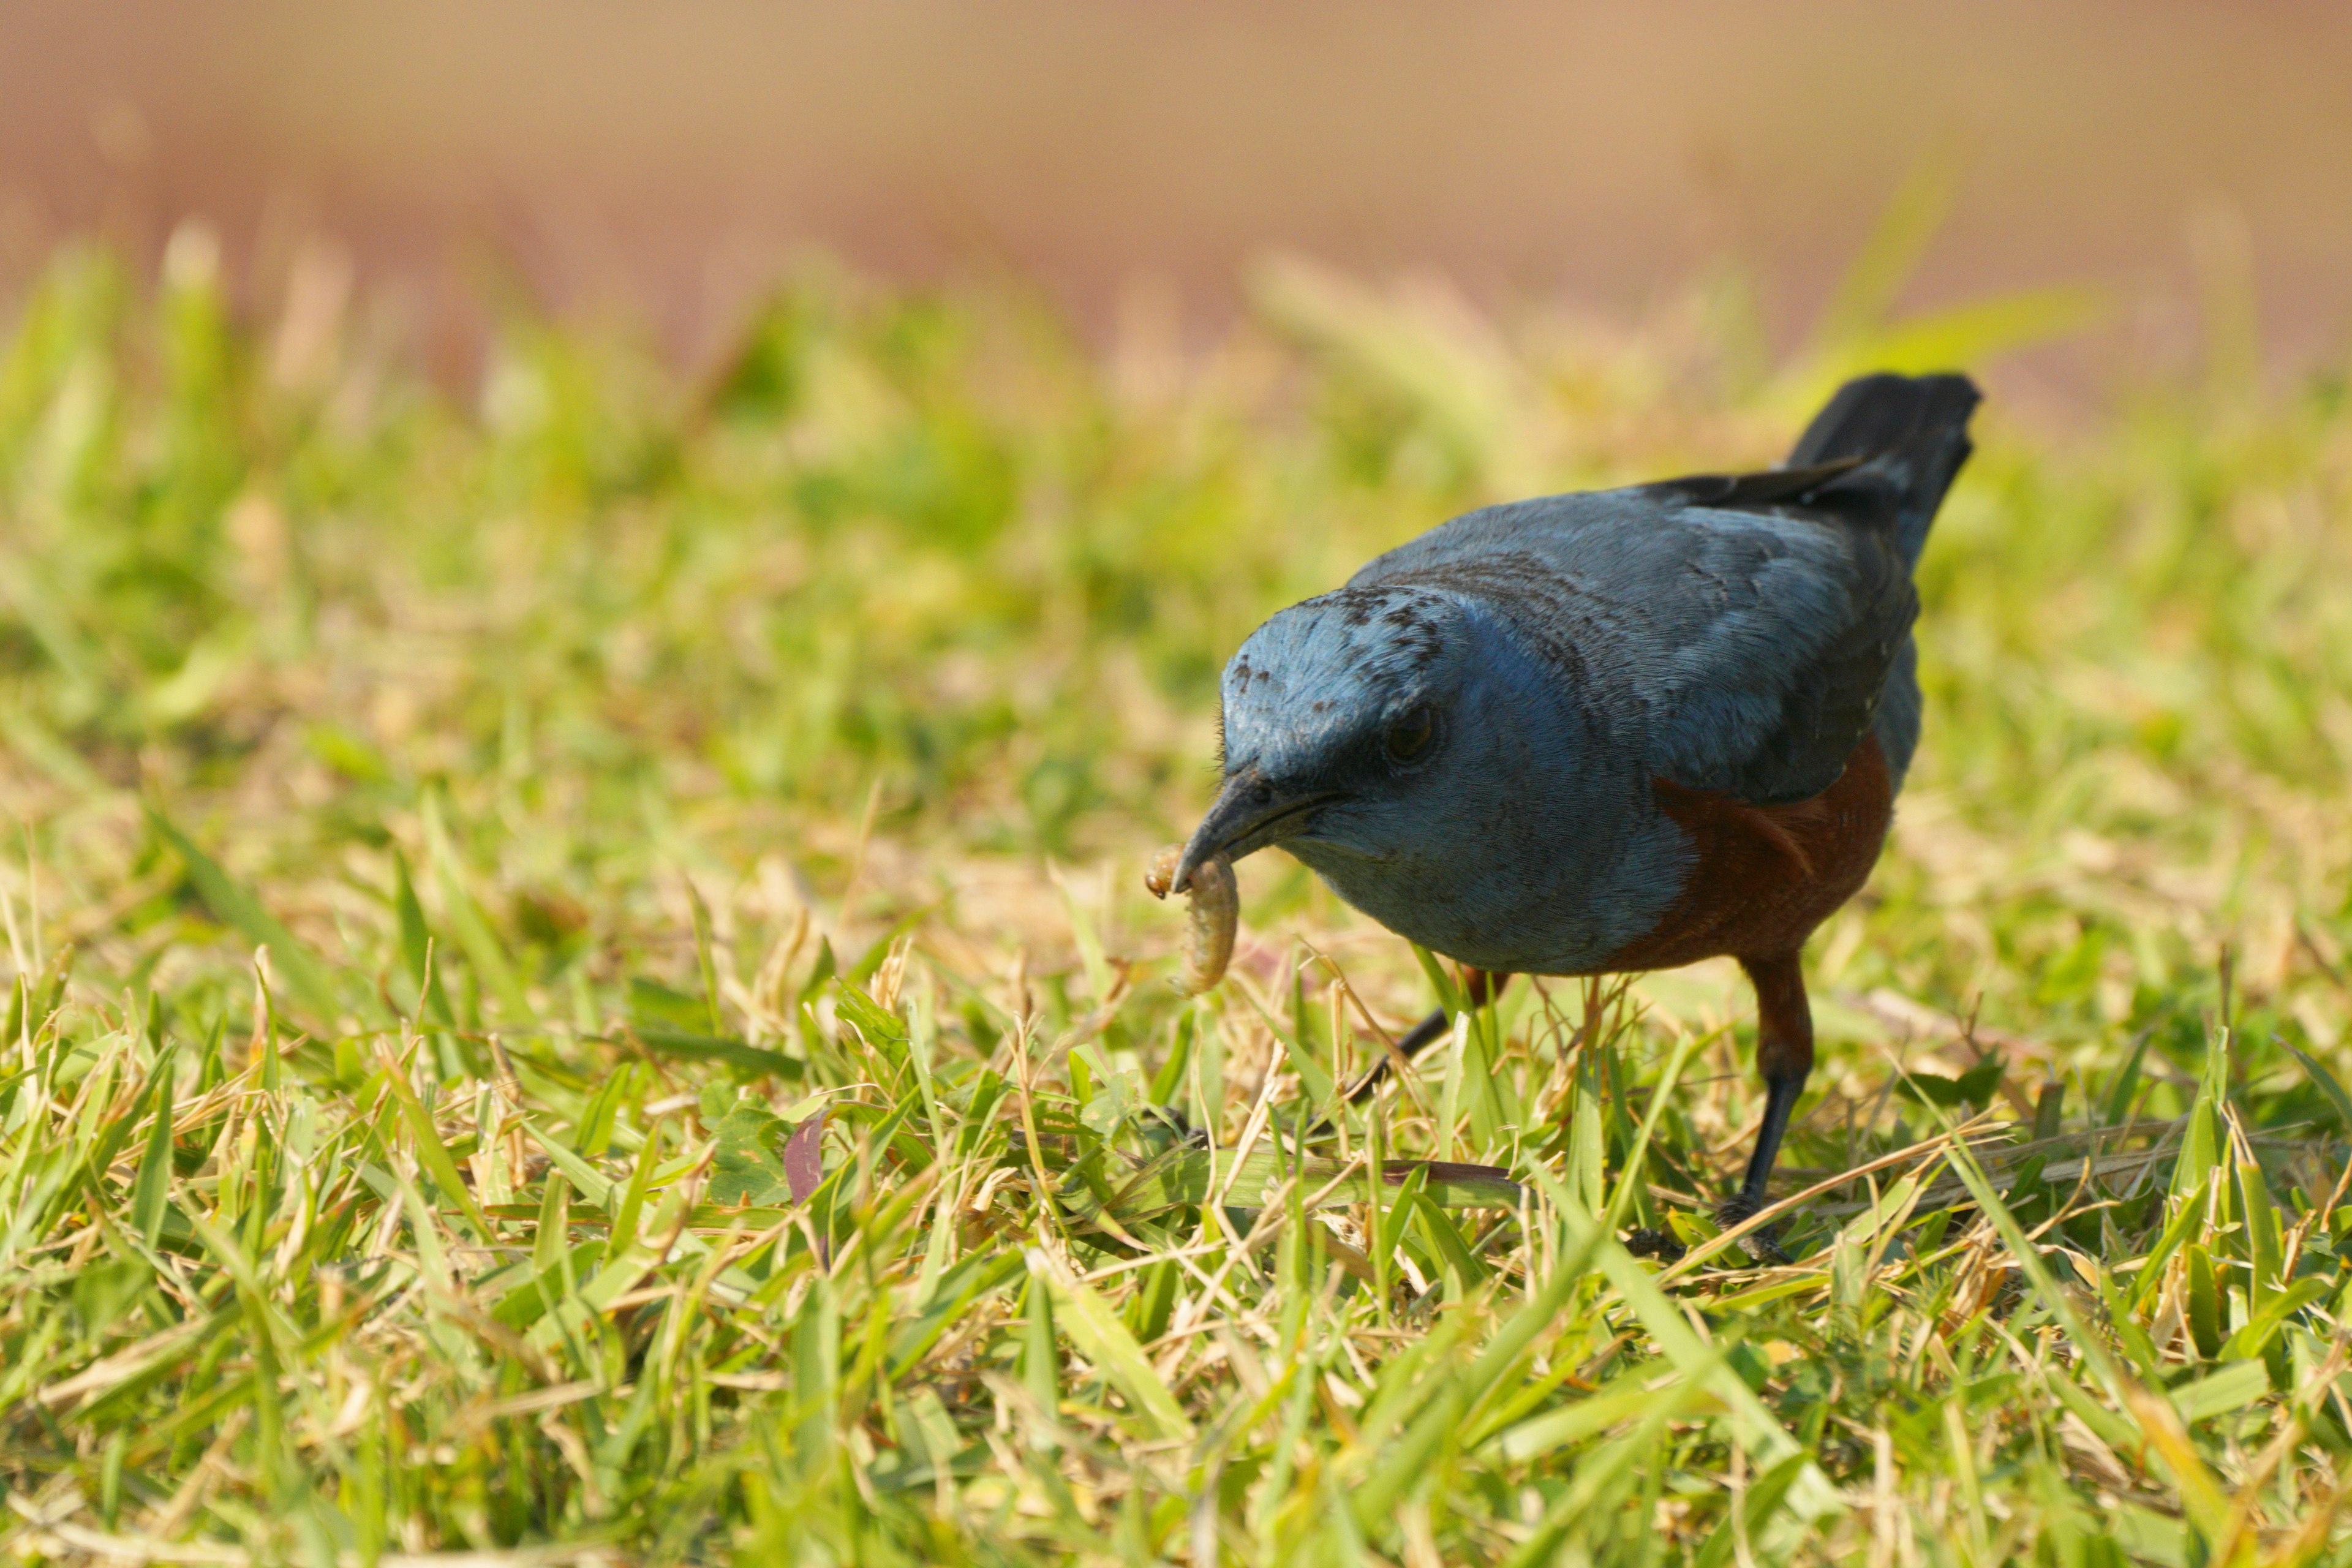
(1616, 730)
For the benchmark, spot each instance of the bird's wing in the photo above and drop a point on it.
(1785, 663)
(1743, 627)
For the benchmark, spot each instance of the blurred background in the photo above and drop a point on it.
(657, 164)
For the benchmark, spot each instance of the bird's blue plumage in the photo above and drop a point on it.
(1739, 637)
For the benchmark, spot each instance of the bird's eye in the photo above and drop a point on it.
(1410, 734)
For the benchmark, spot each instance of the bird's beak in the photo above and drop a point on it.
(1250, 813)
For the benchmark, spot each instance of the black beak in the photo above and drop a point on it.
(1250, 813)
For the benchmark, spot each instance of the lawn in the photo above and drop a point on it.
(579, 986)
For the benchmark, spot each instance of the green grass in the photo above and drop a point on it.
(452, 849)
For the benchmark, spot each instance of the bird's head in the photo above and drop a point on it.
(1357, 726)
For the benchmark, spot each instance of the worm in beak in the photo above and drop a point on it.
(1211, 921)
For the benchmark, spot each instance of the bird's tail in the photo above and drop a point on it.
(1912, 429)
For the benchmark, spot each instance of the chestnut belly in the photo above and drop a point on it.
(1765, 876)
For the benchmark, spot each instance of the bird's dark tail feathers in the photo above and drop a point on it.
(1913, 429)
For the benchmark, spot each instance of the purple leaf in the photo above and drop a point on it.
(804, 1160)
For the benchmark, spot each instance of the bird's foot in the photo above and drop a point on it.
(1659, 1244)
(1736, 1208)
(1174, 1126)
(1763, 1243)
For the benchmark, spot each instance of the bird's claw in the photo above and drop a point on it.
(1763, 1243)
(1760, 1246)
(1648, 1242)
(1178, 1127)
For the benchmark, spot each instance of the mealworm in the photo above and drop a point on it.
(1211, 921)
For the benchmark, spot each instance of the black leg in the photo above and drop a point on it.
(1779, 1098)
(1479, 988)
(1417, 1040)
(1784, 1053)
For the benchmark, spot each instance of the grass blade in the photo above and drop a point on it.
(307, 975)
(1104, 1339)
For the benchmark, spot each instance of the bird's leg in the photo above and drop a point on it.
(1784, 1055)
(1479, 987)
